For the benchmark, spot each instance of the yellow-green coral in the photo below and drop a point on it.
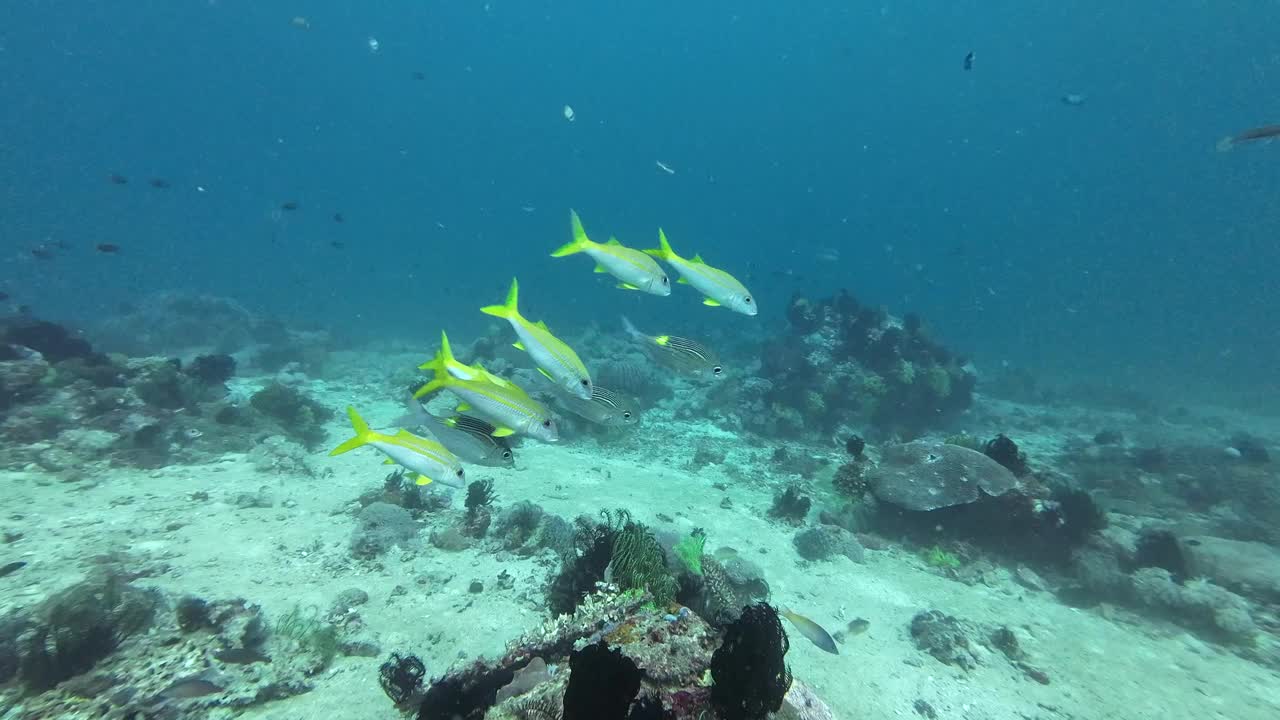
(939, 381)
(906, 372)
(939, 558)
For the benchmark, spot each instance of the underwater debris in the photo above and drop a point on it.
(790, 506)
(749, 672)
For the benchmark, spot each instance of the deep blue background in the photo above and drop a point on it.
(1109, 236)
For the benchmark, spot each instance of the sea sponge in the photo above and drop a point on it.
(850, 480)
(826, 541)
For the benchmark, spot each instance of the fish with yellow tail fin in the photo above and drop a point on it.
(811, 630)
(719, 287)
(427, 459)
(444, 358)
(507, 406)
(557, 360)
(470, 438)
(633, 269)
(677, 353)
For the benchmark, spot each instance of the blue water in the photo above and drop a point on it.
(1107, 237)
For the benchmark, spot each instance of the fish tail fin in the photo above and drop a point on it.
(508, 310)
(580, 240)
(631, 329)
(663, 251)
(362, 437)
(442, 357)
(440, 380)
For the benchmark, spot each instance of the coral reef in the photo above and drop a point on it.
(299, 416)
(844, 364)
(480, 498)
(602, 684)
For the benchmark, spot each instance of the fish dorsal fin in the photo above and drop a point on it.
(613, 241)
(462, 407)
(473, 425)
(627, 286)
(682, 281)
(709, 301)
(518, 345)
(601, 269)
(697, 260)
(542, 324)
(388, 461)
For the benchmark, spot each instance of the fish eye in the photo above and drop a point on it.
(506, 454)
(546, 423)
(586, 383)
(664, 279)
(717, 370)
(747, 299)
(626, 414)
(459, 473)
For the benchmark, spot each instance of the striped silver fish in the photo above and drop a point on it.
(470, 438)
(606, 407)
(677, 353)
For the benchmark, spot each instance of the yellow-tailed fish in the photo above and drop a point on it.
(680, 354)
(427, 459)
(555, 359)
(444, 358)
(508, 407)
(719, 287)
(633, 269)
(470, 438)
(606, 407)
(811, 630)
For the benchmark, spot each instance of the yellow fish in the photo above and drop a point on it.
(507, 407)
(444, 358)
(553, 357)
(428, 459)
(633, 269)
(719, 287)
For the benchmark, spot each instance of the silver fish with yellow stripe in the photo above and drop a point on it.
(556, 359)
(811, 630)
(633, 268)
(470, 438)
(507, 406)
(719, 287)
(444, 358)
(677, 353)
(427, 459)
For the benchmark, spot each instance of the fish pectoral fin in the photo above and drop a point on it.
(503, 432)
(627, 286)
(518, 345)
(682, 281)
(709, 301)
(601, 269)
(462, 407)
(546, 374)
(422, 480)
(388, 461)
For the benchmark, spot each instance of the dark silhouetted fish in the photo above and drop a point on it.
(419, 75)
(1264, 132)
(968, 60)
(118, 179)
(11, 568)
(337, 244)
(42, 253)
(108, 248)
(3, 296)
(159, 183)
(290, 206)
(338, 218)
(193, 687)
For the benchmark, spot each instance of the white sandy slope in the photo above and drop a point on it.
(296, 552)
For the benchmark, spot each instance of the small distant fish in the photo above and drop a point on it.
(289, 205)
(857, 626)
(606, 407)
(568, 113)
(159, 183)
(718, 287)
(300, 22)
(3, 296)
(193, 687)
(634, 269)
(507, 406)
(1265, 132)
(12, 568)
(1074, 99)
(419, 75)
(118, 179)
(427, 459)
(553, 357)
(828, 255)
(968, 60)
(337, 244)
(470, 438)
(339, 218)
(108, 248)
(373, 44)
(42, 252)
(665, 168)
(677, 353)
(240, 656)
(811, 630)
